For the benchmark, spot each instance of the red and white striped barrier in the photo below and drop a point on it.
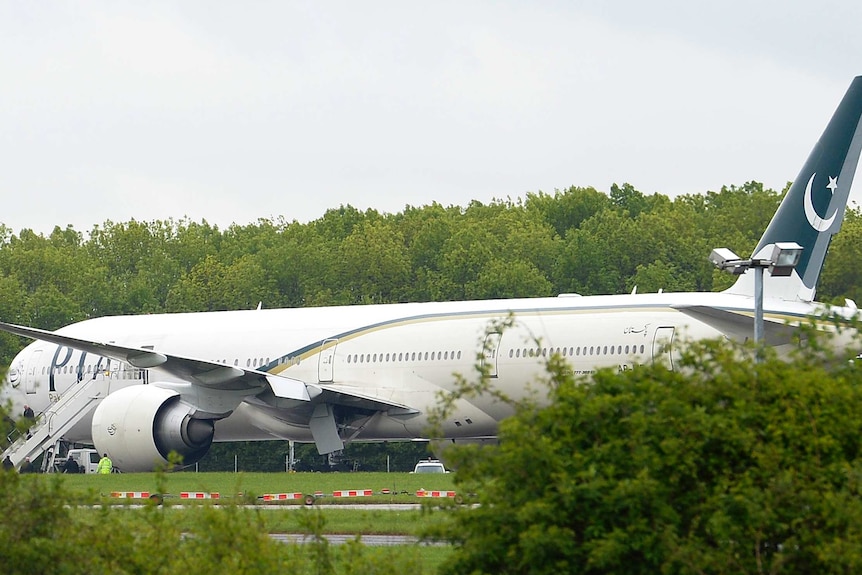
(198, 495)
(281, 496)
(131, 494)
(423, 493)
(353, 493)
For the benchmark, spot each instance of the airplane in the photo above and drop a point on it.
(330, 375)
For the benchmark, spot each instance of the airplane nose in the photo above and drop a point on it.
(13, 376)
(11, 388)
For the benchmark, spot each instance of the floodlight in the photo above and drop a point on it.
(723, 258)
(785, 257)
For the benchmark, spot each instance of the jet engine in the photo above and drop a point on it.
(140, 425)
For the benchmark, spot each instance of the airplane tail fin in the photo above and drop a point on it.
(813, 209)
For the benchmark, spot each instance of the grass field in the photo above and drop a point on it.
(247, 487)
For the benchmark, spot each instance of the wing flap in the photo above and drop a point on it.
(349, 396)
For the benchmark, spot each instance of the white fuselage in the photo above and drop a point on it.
(403, 354)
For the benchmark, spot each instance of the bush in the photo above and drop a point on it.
(726, 466)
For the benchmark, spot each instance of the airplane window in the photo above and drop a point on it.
(413, 356)
(545, 352)
(605, 352)
(348, 358)
(642, 348)
(375, 358)
(459, 355)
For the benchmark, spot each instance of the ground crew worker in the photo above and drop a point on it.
(105, 464)
(71, 466)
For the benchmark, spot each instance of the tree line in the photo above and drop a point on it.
(577, 240)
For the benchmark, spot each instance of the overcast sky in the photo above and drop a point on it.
(234, 111)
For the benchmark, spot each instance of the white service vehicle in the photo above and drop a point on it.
(430, 466)
(87, 459)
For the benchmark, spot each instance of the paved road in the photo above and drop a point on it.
(338, 539)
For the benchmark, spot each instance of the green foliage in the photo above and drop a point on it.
(32, 525)
(42, 533)
(726, 466)
(842, 275)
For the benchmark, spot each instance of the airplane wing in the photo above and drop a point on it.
(350, 396)
(739, 326)
(207, 374)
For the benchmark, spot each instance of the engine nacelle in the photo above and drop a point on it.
(140, 425)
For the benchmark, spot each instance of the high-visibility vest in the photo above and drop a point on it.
(105, 465)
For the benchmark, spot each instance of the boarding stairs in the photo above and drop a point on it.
(72, 406)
